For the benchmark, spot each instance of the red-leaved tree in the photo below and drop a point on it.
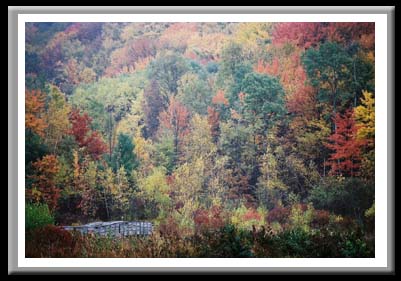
(345, 160)
(84, 136)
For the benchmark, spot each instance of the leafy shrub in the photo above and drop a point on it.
(347, 197)
(229, 241)
(320, 219)
(226, 242)
(169, 228)
(295, 243)
(247, 218)
(37, 215)
(278, 214)
(208, 219)
(301, 216)
(51, 241)
(370, 219)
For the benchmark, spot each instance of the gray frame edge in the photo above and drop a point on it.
(13, 12)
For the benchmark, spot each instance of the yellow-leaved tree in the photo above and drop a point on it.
(365, 120)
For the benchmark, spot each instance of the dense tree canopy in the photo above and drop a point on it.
(195, 126)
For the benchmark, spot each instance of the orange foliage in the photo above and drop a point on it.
(219, 98)
(264, 68)
(347, 147)
(34, 109)
(251, 214)
(175, 118)
(178, 35)
(44, 180)
(300, 97)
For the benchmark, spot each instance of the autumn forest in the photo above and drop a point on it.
(231, 139)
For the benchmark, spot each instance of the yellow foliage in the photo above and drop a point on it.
(365, 117)
(252, 35)
(57, 118)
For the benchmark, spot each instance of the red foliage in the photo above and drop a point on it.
(278, 214)
(95, 145)
(302, 34)
(52, 241)
(347, 148)
(251, 214)
(170, 179)
(303, 207)
(308, 34)
(346, 32)
(80, 126)
(169, 228)
(211, 219)
(179, 205)
(91, 140)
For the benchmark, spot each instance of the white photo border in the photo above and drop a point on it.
(380, 259)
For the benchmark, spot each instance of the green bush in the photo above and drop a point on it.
(37, 215)
(298, 243)
(347, 197)
(228, 241)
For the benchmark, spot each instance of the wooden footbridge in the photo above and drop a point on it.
(114, 228)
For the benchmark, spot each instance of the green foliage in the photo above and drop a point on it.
(109, 97)
(194, 93)
(34, 147)
(37, 215)
(123, 155)
(228, 242)
(167, 70)
(264, 97)
(351, 196)
(329, 69)
(164, 154)
(301, 219)
(154, 190)
(212, 67)
(232, 57)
